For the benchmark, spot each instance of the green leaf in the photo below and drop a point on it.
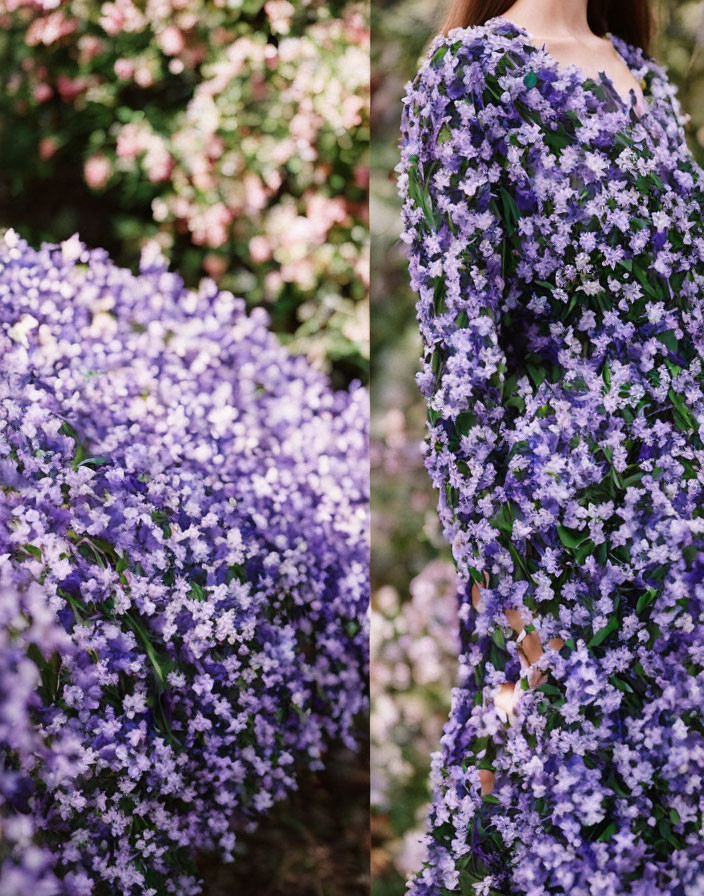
(77, 608)
(682, 414)
(569, 538)
(503, 519)
(511, 213)
(465, 421)
(584, 551)
(548, 689)
(645, 599)
(669, 339)
(197, 592)
(604, 632)
(634, 479)
(608, 831)
(438, 57)
(163, 721)
(444, 135)
(143, 635)
(498, 638)
(602, 553)
(537, 374)
(98, 461)
(690, 552)
(620, 684)
(530, 80)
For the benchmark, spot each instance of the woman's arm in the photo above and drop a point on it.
(456, 196)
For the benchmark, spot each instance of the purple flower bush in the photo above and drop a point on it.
(183, 546)
(557, 252)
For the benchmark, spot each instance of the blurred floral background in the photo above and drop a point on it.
(233, 135)
(414, 638)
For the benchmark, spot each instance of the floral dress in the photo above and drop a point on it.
(556, 246)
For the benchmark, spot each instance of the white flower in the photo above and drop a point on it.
(18, 332)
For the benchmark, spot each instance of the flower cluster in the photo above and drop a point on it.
(31, 636)
(557, 253)
(184, 537)
(223, 131)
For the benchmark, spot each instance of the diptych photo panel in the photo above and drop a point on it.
(538, 567)
(352, 448)
(184, 474)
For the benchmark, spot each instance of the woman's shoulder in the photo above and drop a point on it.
(480, 46)
(462, 63)
(634, 55)
(456, 98)
(652, 74)
(641, 63)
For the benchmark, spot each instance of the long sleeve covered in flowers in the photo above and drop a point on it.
(455, 228)
(556, 247)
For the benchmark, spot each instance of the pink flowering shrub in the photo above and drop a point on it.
(234, 137)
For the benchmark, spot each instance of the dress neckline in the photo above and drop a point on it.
(629, 106)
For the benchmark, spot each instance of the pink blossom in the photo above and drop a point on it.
(171, 40)
(69, 88)
(124, 68)
(352, 107)
(129, 142)
(50, 29)
(143, 75)
(42, 92)
(324, 213)
(299, 271)
(260, 248)
(215, 265)
(89, 47)
(280, 13)
(210, 227)
(255, 194)
(121, 16)
(216, 147)
(47, 148)
(158, 161)
(361, 177)
(97, 171)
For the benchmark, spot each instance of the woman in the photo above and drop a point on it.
(553, 214)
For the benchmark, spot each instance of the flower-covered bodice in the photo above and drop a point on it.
(556, 248)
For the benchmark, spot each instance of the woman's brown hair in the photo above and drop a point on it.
(629, 19)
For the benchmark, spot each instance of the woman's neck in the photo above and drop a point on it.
(556, 18)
